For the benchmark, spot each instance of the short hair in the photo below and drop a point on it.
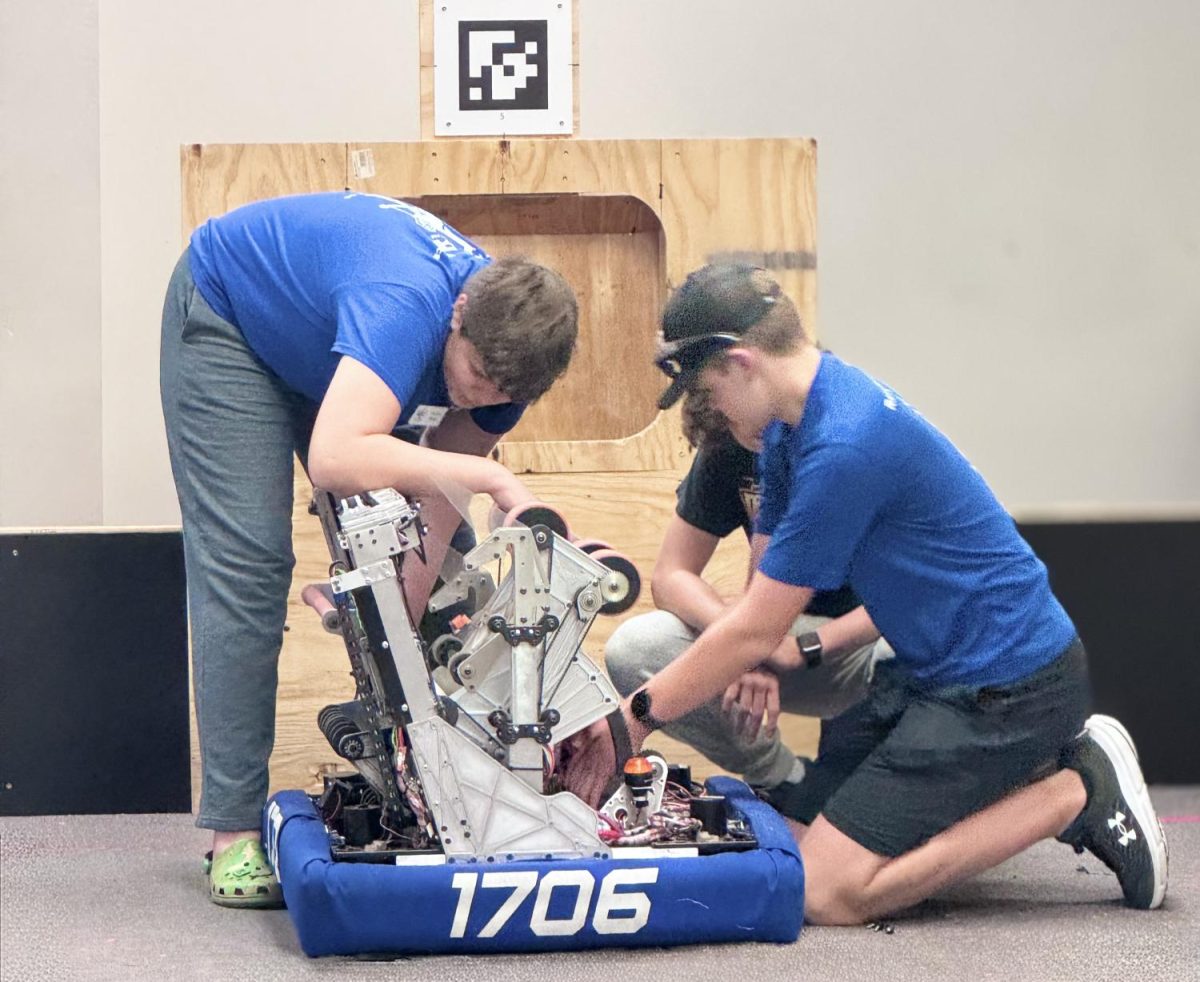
(523, 320)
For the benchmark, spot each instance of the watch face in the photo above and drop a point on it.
(640, 704)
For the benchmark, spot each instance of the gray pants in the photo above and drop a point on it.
(232, 429)
(646, 644)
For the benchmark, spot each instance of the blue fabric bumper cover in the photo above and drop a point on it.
(342, 908)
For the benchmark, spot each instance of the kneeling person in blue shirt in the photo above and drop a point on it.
(976, 742)
(318, 325)
(718, 496)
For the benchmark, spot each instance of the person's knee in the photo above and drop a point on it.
(624, 657)
(829, 904)
(838, 876)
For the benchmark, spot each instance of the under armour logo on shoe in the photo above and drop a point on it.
(1127, 834)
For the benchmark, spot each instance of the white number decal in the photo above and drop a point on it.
(610, 902)
(584, 884)
(522, 885)
(464, 883)
(275, 824)
(634, 905)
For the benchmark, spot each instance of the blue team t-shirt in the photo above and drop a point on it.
(312, 277)
(864, 490)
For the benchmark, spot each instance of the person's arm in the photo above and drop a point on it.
(456, 434)
(736, 642)
(758, 547)
(352, 449)
(677, 585)
(851, 631)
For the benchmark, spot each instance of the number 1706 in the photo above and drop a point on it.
(615, 913)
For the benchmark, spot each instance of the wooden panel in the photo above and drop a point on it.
(631, 167)
(660, 445)
(609, 248)
(744, 199)
(403, 170)
(220, 177)
(556, 213)
(619, 286)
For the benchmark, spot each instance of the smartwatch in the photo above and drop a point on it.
(640, 706)
(811, 648)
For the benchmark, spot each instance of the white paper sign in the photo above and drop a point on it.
(502, 69)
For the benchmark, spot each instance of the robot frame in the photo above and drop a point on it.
(456, 739)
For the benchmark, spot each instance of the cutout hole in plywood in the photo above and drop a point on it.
(610, 249)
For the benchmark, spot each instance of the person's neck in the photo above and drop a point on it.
(791, 378)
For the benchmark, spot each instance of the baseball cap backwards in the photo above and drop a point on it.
(715, 306)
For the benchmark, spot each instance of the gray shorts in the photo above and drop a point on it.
(642, 646)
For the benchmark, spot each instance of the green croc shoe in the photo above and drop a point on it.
(241, 876)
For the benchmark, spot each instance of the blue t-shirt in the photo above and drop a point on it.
(312, 277)
(864, 490)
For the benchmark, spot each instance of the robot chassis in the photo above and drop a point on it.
(454, 740)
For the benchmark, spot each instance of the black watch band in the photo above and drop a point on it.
(811, 648)
(640, 707)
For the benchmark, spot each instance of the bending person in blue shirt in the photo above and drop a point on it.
(976, 741)
(317, 325)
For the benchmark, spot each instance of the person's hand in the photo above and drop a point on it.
(752, 703)
(589, 762)
(786, 657)
(589, 757)
(508, 492)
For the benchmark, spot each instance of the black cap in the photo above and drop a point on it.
(715, 306)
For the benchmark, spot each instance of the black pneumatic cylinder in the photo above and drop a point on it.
(710, 809)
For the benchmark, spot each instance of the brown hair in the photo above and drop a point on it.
(702, 424)
(522, 318)
(781, 331)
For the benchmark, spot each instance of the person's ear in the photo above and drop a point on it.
(456, 315)
(744, 359)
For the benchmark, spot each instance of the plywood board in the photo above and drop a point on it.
(751, 200)
(217, 178)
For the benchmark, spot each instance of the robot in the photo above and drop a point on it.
(455, 739)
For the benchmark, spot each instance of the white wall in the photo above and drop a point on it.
(225, 71)
(1009, 208)
(1010, 218)
(50, 380)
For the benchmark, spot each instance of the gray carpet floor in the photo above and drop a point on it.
(120, 897)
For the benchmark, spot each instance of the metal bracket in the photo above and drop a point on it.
(531, 634)
(356, 579)
(539, 731)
